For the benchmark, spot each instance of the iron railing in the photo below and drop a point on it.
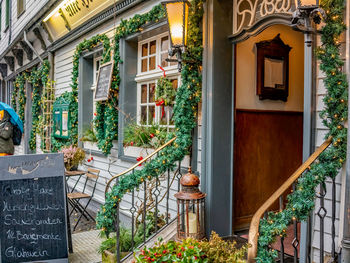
(279, 196)
(146, 210)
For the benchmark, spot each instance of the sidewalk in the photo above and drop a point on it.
(85, 245)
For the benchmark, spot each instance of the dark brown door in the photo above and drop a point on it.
(268, 149)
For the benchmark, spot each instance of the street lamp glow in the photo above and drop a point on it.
(177, 14)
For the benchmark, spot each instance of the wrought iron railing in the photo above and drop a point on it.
(146, 210)
(279, 196)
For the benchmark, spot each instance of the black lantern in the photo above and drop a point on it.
(177, 15)
(307, 4)
(190, 208)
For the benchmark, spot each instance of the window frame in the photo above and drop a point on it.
(21, 12)
(157, 110)
(158, 54)
(7, 14)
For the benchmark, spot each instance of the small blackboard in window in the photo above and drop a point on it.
(33, 209)
(104, 81)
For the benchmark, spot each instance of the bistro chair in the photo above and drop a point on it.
(75, 197)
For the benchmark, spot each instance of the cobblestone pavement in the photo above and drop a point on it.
(85, 245)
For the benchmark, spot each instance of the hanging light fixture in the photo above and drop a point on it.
(177, 15)
(307, 4)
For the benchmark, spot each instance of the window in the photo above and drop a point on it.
(7, 18)
(149, 112)
(97, 61)
(152, 53)
(20, 7)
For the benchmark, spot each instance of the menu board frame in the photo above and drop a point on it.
(36, 168)
(110, 74)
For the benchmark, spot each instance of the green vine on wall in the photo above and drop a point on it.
(19, 94)
(106, 121)
(38, 78)
(302, 200)
(72, 96)
(185, 111)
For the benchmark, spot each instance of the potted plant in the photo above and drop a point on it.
(108, 247)
(72, 156)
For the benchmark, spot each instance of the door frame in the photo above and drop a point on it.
(214, 92)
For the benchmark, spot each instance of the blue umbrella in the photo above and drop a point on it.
(15, 120)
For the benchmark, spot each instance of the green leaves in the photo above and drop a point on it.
(302, 200)
(185, 110)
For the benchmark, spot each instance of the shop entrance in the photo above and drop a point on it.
(268, 137)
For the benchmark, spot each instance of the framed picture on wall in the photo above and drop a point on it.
(272, 78)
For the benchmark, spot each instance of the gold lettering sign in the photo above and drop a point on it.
(70, 14)
(248, 12)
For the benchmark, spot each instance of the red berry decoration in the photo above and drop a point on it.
(92, 158)
(151, 135)
(89, 160)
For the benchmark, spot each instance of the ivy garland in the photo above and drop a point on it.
(185, 111)
(165, 92)
(106, 121)
(14, 96)
(38, 78)
(72, 96)
(302, 201)
(20, 83)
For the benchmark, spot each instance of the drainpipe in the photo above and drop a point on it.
(345, 255)
(31, 47)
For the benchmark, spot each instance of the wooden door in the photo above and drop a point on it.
(267, 150)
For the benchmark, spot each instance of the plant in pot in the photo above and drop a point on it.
(72, 156)
(108, 247)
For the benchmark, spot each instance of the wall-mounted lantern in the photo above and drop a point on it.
(190, 208)
(177, 15)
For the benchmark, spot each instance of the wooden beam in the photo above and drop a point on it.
(3, 70)
(10, 62)
(27, 50)
(18, 53)
(37, 33)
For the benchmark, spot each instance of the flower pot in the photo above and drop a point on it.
(109, 257)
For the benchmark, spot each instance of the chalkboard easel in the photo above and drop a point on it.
(104, 81)
(33, 209)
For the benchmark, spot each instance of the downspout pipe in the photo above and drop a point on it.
(31, 47)
(345, 255)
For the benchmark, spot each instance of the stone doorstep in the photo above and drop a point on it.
(166, 234)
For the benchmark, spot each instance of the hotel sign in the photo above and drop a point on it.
(70, 14)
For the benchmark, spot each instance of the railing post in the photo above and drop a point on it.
(117, 233)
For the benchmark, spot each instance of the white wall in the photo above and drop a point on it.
(32, 7)
(321, 131)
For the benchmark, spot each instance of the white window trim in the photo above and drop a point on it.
(157, 108)
(152, 73)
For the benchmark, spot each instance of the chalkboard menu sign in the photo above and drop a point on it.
(33, 209)
(104, 81)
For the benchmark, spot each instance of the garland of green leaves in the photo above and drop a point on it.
(185, 112)
(72, 96)
(165, 92)
(106, 121)
(302, 200)
(39, 78)
(20, 84)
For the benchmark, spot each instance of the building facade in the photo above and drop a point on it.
(248, 139)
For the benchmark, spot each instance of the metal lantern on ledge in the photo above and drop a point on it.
(190, 208)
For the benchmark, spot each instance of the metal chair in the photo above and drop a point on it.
(75, 197)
